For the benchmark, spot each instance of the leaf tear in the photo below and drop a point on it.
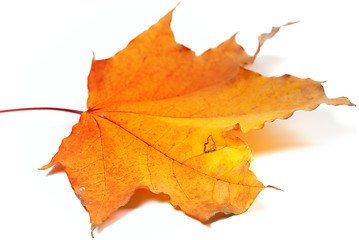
(210, 145)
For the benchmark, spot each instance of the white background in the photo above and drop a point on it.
(45, 56)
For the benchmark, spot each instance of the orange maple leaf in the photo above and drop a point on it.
(160, 117)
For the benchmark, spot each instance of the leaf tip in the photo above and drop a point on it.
(93, 227)
(45, 167)
(276, 188)
(176, 5)
(170, 13)
(340, 101)
(93, 55)
(266, 36)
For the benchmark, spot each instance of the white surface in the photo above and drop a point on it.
(45, 56)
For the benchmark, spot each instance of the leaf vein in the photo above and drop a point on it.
(103, 165)
(178, 183)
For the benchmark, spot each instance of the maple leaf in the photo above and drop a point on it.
(160, 117)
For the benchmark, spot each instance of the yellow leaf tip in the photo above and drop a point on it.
(340, 101)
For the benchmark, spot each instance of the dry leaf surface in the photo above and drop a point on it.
(162, 118)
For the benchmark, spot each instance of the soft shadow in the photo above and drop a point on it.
(257, 205)
(322, 124)
(266, 64)
(273, 138)
(57, 168)
(140, 197)
(301, 130)
(217, 217)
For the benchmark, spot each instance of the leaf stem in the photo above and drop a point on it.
(42, 108)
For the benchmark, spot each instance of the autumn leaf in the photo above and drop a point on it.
(160, 117)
